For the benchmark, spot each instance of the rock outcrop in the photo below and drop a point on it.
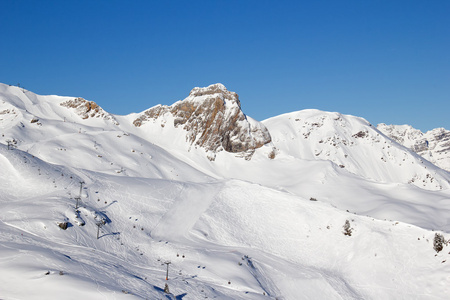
(88, 109)
(213, 119)
(433, 145)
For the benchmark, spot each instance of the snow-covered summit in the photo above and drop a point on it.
(213, 89)
(51, 107)
(354, 145)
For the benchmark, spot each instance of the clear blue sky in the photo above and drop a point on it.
(384, 60)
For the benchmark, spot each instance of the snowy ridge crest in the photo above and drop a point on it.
(353, 144)
(50, 107)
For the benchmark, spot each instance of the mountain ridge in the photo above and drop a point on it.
(211, 120)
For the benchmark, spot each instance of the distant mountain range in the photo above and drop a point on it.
(434, 145)
(211, 120)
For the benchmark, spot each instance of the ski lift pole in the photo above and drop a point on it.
(99, 224)
(167, 272)
(78, 199)
(81, 186)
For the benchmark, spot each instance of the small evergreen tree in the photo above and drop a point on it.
(347, 228)
(438, 242)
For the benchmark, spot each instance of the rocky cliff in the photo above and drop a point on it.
(213, 119)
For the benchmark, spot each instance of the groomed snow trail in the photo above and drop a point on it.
(192, 202)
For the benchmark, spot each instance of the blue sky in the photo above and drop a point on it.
(386, 61)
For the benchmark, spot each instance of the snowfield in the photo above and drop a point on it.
(230, 228)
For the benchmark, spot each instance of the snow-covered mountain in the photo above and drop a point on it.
(325, 206)
(354, 145)
(434, 145)
(212, 119)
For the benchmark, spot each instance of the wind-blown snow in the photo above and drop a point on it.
(231, 228)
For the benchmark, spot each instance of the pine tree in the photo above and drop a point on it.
(438, 242)
(347, 229)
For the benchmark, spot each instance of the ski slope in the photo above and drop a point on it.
(231, 228)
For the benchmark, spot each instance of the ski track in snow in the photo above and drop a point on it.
(184, 213)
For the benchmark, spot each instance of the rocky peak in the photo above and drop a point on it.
(213, 89)
(433, 145)
(213, 119)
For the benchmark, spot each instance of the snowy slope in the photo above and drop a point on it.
(354, 144)
(61, 136)
(231, 228)
(258, 239)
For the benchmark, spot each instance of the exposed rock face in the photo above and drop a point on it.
(433, 145)
(88, 109)
(213, 119)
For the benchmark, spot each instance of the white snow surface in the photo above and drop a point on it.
(230, 228)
